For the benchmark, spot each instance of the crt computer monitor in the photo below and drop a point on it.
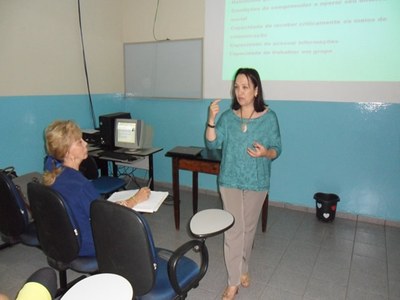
(132, 135)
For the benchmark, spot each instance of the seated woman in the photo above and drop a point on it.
(66, 150)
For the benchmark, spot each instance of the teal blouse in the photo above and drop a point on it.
(238, 169)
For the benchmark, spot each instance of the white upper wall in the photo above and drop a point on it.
(41, 53)
(174, 20)
(40, 48)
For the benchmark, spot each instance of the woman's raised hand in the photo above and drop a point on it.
(213, 111)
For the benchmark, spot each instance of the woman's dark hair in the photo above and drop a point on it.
(253, 76)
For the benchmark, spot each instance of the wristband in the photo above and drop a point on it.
(211, 126)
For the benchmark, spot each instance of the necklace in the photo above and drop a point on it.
(243, 125)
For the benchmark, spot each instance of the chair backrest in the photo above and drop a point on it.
(57, 232)
(124, 244)
(13, 212)
(88, 168)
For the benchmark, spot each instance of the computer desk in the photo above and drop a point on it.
(208, 161)
(144, 161)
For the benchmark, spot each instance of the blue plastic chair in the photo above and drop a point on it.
(14, 220)
(58, 234)
(124, 246)
(105, 185)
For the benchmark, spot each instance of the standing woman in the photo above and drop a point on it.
(249, 136)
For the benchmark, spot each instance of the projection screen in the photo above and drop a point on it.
(345, 51)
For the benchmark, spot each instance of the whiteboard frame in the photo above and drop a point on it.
(164, 69)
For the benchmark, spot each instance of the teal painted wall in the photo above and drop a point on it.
(351, 149)
(23, 120)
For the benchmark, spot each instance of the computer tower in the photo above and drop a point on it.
(106, 123)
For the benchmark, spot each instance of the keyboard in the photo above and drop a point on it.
(117, 156)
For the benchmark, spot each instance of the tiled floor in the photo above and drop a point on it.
(297, 258)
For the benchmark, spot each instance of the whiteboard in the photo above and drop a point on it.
(164, 69)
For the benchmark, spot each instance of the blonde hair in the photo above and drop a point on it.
(59, 137)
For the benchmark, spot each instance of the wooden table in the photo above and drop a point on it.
(208, 161)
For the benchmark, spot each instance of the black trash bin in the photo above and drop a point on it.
(326, 206)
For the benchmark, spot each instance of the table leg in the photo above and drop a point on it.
(151, 172)
(115, 169)
(175, 191)
(264, 216)
(195, 191)
(103, 166)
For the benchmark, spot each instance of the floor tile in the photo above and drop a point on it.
(297, 258)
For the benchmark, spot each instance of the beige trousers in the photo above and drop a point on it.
(245, 206)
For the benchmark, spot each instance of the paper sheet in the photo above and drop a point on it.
(150, 205)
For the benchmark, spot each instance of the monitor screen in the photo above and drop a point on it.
(132, 134)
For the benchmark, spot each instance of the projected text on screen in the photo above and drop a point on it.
(349, 40)
(311, 50)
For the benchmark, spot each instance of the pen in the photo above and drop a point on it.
(149, 182)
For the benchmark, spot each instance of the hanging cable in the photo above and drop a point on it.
(155, 20)
(85, 66)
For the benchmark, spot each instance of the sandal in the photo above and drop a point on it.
(245, 280)
(230, 292)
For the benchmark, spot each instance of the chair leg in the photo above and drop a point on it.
(73, 282)
(64, 285)
(8, 242)
(5, 245)
(62, 275)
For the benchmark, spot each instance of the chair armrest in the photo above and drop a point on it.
(197, 246)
